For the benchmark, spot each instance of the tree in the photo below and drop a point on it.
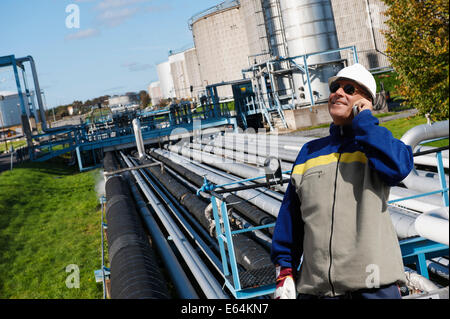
(145, 99)
(418, 47)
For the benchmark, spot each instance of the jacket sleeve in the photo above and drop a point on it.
(390, 157)
(287, 239)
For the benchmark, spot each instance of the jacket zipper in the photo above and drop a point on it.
(332, 226)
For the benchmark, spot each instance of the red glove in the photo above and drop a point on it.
(285, 288)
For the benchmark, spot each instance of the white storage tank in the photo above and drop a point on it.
(154, 91)
(165, 80)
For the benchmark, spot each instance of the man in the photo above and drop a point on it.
(334, 213)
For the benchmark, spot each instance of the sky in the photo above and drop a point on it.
(88, 48)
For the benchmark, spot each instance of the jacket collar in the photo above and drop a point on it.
(338, 132)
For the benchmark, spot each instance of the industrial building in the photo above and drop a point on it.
(233, 36)
(10, 111)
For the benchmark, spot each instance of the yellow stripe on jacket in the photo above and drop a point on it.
(358, 156)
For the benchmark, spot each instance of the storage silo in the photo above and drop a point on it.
(362, 27)
(179, 75)
(221, 42)
(10, 113)
(309, 27)
(193, 72)
(165, 80)
(154, 91)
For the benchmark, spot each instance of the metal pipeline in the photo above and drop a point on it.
(242, 157)
(412, 138)
(264, 202)
(176, 272)
(134, 269)
(251, 212)
(249, 254)
(239, 169)
(253, 148)
(209, 285)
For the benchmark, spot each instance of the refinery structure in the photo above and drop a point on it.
(285, 50)
(204, 176)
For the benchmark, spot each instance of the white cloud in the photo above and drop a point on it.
(82, 34)
(135, 66)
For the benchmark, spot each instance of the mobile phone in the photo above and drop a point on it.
(355, 110)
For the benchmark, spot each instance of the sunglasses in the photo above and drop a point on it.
(348, 88)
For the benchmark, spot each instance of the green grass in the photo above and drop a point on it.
(15, 144)
(49, 219)
(399, 127)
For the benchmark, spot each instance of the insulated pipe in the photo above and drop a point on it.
(248, 210)
(434, 225)
(269, 192)
(412, 138)
(238, 156)
(209, 285)
(266, 203)
(420, 204)
(238, 169)
(176, 272)
(403, 222)
(134, 269)
(260, 149)
(138, 137)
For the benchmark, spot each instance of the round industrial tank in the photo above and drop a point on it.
(309, 27)
(221, 42)
(10, 112)
(165, 80)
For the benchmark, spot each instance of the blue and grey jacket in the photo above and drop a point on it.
(334, 212)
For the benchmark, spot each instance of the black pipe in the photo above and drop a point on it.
(134, 269)
(176, 272)
(250, 211)
(249, 254)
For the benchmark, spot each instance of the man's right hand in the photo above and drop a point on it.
(285, 288)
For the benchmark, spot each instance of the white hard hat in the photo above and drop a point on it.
(358, 73)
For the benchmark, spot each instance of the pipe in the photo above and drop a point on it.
(176, 272)
(208, 284)
(239, 169)
(138, 137)
(264, 202)
(256, 149)
(412, 138)
(37, 89)
(134, 269)
(403, 222)
(420, 204)
(194, 235)
(238, 156)
(197, 207)
(248, 210)
(434, 225)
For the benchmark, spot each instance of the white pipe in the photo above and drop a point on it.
(403, 222)
(420, 204)
(412, 138)
(434, 225)
(138, 137)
